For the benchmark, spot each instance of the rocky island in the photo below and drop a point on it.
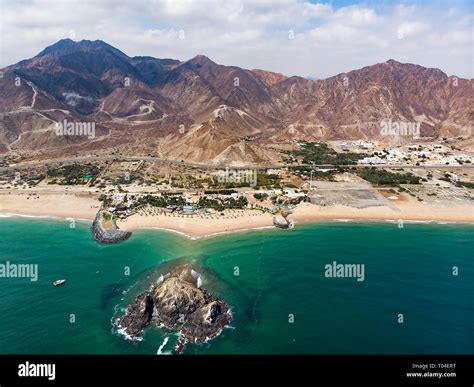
(178, 303)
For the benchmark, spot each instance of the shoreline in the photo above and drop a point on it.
(17, 215)
(79, 207)
(194, 237)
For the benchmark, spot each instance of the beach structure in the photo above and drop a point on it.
(375, 160)
(189, 209)
(281, 220)
(107, 233)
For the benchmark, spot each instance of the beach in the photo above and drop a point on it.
(70, 204)
(83, 205)
(197, 227)
(411, 210)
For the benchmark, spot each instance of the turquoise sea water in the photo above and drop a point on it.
(281, 273)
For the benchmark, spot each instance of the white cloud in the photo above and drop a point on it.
(249, 33)
(354, 16)
(412, 28)
(403, 10)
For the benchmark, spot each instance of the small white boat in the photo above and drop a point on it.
(59, 282)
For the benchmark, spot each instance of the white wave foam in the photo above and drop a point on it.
(13, 214)
(121, 332)
(239, 230)
(160, 349)
(191, 237)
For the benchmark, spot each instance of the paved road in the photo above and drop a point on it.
(205, 166)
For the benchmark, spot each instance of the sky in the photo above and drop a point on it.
(315, 39)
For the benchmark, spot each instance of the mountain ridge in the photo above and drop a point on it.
(148, 99)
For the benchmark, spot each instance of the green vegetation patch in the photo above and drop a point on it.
(321, 154)
(381, 177)
(268, 180)
(465, 184)
(74, 174)
(221, 205)
(305, 172)
(162, 201)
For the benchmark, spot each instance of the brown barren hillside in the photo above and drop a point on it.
(201, 111)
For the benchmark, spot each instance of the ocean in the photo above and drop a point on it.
(416, 296)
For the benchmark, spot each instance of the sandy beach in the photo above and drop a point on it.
(197, 227)
(84, 205)
(408, 210)
(75, 205)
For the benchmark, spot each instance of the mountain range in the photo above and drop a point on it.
(201, 111)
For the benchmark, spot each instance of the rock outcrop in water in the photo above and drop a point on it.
(176, 303)
(111, 235)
